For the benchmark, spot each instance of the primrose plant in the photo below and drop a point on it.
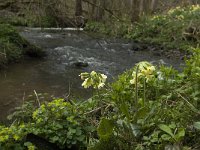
(94, 79)
(144, 70)
(142, 74)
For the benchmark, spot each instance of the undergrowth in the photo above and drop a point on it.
(178, 28)
(147, 107)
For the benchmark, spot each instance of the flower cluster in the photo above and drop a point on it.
(144, 70)
(15, 133)
(97, 80)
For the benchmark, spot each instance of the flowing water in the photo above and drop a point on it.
(57, 71)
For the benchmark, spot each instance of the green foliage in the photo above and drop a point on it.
(163, 120)
(61, 123)
(118, 28)
(170, 136)
(147, 107)
(10, 43)
(197, 125)
(30, 16)
(105, 128)
(23, 113)
(10, 137)
(178, 28)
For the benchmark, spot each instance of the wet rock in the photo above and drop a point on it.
(136, 47)
(81, 64)
(48, 36)
(157, 53)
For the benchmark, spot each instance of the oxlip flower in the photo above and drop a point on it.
(103, 77)
(87, 83)
(145, 70)
(94, 79)
(84, 75)
(101, 85)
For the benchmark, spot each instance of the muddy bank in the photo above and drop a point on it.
(160, 50)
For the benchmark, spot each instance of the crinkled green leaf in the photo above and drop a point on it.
(180, 134)
(197, 125)
(105, 128)
(166, 129)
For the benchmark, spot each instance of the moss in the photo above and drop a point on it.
(13, 47)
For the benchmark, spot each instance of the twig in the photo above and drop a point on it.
(23, 98)
(94, 110)
(107, 10)
(193, 108)
(107, 108)
(37, 98)
(66, 98)
(13, 122)
(2, 54)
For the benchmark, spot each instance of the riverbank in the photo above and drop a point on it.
(178, 29)
(13, 47)
(58, 71)
(147, 107)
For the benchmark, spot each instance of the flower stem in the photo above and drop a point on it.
(136, 86)
(144, 94)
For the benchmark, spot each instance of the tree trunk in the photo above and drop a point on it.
(5, 4)
(94, 9)
(153, 5)
(78, 11)
(101, 10)
(135, 10)
(142, 6)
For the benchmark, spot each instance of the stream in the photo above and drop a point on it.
(57, 73)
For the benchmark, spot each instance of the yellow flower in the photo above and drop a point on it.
(142, 65)
(148, 71)
(149, 77)
(84, 75)
(84, 84)
(93, 73)
(35, 114)
(101, 85)
(31, 147)
(103, 78)
(132, 81)
(16, 137)
(94, 79)
(87, 83)
(22, 126)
